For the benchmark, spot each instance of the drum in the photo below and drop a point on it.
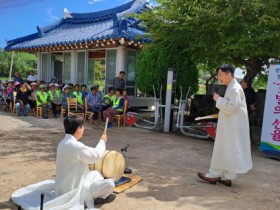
(111, 165)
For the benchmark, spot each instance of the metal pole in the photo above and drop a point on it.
(11, 66)
(168, 101)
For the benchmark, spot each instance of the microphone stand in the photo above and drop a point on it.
(124, 149)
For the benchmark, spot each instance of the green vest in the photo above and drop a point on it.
(109, 100)
(57, 92)
(113, 97)
(42, 96)
(79, 97)
(116, 103)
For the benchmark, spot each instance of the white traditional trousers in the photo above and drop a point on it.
(98, 186)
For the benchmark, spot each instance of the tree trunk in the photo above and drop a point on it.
(208, 80)
(254, 66)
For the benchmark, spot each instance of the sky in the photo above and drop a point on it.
(19, 21)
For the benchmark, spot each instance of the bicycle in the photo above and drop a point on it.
(202, 130)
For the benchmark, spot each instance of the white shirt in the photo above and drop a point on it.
(72, 162)
(32, 78)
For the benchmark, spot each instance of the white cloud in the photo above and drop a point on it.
(50, 15)
(93, 1)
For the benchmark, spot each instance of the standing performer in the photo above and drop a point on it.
(72, 168)
(232, 151)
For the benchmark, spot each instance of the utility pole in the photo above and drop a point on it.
(11, 66)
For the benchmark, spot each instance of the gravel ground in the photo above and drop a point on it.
(168, 164)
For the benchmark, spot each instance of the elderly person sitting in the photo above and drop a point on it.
(66, 93)
(54, 97)
(79, 97)
(18, 78)
(116, 109)
(32, 96)
(42, 101)
(22, 99)
(94, 103)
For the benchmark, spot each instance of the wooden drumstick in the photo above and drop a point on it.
(106, 124)
(213, 116)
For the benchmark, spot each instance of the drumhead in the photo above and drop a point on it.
(111, 165)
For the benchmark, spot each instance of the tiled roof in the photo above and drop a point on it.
(86, 27)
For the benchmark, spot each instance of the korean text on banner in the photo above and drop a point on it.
(270, 138)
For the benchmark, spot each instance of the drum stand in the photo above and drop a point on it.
(124, 149)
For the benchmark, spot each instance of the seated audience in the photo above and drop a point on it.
(32, 96)
(125, 98)
(10, 90)
(98, 91)
(79, 97)
(66, 93)
(54, 98)
(42, 101)
(22, 100)
(18, 78)
(107, 101)
(116, 109)
(84, 91)
(94, 103)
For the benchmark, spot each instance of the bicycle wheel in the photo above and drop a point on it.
(195, 131)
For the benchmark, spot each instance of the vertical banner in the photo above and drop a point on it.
(270, 138)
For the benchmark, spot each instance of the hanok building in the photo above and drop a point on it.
(88, 48)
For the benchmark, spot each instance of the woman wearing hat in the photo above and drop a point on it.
(32, 97)
(66, 94)
(79, 97)
(42, 101)
(54, 97)
(22, 100)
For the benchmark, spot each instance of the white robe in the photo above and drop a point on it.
(74, 184)
(232, 151)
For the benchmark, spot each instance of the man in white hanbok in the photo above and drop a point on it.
(232, 151)
(72, 162)
(74, 185)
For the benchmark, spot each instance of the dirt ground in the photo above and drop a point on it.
(168, 164)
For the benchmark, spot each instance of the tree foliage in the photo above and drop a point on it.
(153, 64)
(212, 32)
(23, 63)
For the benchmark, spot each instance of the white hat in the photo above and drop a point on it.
(42, 86)
(56, 84)
(33, 83)
(51, 84)
(66, 86)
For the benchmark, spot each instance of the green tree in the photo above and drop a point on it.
(153, 63)
(23, 63)
(243, 32)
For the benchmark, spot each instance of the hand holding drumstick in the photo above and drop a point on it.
(104, 135)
